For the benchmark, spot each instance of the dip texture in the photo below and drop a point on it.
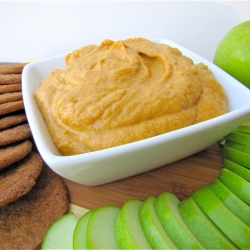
(125, 91)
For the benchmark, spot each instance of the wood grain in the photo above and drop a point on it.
(181, 177)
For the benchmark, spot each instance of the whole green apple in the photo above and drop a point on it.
(233, 53)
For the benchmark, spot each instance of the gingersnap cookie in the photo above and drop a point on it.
(10, 107)
(11, 68)
(10, 88)
(24, 222)
(19, 178)
(11, 97)
(14, 152)
(10, 78)
(15, 134)
(13, 119)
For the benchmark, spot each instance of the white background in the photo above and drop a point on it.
(46, 28)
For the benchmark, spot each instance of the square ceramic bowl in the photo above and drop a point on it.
(112, 164)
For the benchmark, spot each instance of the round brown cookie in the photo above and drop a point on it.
(11, 68)
(10, 107)
(18, 179)
(13, 153)
(24, 222)
(10, 78)
(10, 88)
(11, 97)
(12, 120)
(15, 134)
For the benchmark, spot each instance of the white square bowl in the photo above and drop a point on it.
(112, 164)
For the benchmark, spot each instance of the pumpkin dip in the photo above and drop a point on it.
(125, 91)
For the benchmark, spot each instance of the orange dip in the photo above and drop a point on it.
(125, 91)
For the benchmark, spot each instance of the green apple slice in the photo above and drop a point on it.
(166, 206)
(236, 156)
(152, 227)
(101, 228)
(239, 137)
(80, 233)
(243, 129)
(237, 231)
(60, 233)
(239, 186)
(237, 169)
(202, 227)
(237, 146)
(128, 230)
(236, 205)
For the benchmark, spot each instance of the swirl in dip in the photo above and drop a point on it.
(125, 91)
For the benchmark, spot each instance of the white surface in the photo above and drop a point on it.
(119, 162)
(46, 28)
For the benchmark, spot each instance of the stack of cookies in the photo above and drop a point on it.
(32, 196)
